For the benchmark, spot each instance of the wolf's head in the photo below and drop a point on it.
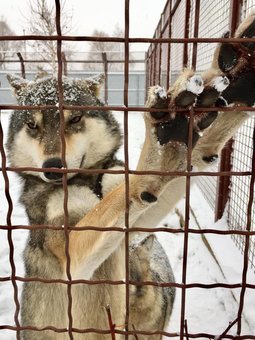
(34, 139)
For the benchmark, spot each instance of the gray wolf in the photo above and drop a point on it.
(92, 139)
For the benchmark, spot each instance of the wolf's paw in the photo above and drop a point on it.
(157, 99)
(194, 86)
(213, 91)
(237, 62)
(173, 126)
(220, 83)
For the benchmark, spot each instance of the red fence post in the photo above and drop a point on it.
(186, 33)
(160, 52)
(169, 45)
(22, 65)
(64, 61)
(105, 63)
(147, 76)
(196, 31)
(224, 182)
(155, 56)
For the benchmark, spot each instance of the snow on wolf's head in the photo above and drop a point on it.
(92, 136)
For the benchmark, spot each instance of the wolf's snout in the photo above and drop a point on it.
(53, 163)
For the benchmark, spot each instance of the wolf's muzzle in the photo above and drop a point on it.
(53, 163)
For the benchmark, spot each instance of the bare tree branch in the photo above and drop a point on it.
(42, 22)
(7, 48)
(114, 51)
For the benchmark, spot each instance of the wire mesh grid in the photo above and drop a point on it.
(247, 6)
(213, 22)
(215, 18)
(176, 54)
(238, 196)
(177, 31)
(241, 159)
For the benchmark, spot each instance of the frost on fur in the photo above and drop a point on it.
(161, 92)
(45, 90)
(221, 83)
(195, 84)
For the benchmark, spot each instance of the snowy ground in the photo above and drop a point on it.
(207, 310)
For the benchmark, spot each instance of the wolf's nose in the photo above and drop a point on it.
(53, 163)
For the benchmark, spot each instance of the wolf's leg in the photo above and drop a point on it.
(208, 94)
(231, 62)
(209, 147)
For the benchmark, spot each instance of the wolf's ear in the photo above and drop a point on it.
(16, 82)
(94, 83)
(147, 243)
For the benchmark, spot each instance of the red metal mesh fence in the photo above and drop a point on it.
(183, 16)
(214, 19)
(241, 158)
(210, 19)
(239, 196)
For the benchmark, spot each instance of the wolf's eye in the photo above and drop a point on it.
(32, 125)
(75, 120)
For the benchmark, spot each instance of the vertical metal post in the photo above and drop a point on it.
(196, 30)
(151, 67)
(186, 33)
(126, 158)
(235, 15)
(64, 179)
(169, 45)
(105, 63)
(64, 62)
(160, 52)
(22, 65)
(155, 62)
(224, 182)
(147, 74)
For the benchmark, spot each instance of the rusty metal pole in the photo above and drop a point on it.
(160, 52)
(235, 18)
(223, 183)
(151, 66)
(22, 65)
(155, 56)
(105, 63)
(64, 61)
(169, 45)
(186, 33)
(196, 31)
(147, 80)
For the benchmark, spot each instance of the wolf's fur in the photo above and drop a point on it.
(90, 143)
(92, 139)
(147, 254)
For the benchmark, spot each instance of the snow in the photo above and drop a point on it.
(161, 92)
(195, 84)
(207, 310)
(221, 83)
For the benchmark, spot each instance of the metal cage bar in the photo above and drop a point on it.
(154, 61)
